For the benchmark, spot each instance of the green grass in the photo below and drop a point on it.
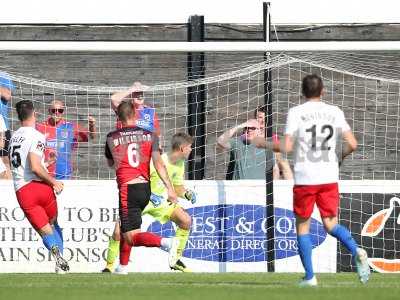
(194, 286)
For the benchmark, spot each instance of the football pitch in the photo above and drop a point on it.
(194, 286)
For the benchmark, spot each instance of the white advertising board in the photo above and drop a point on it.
(228, 231)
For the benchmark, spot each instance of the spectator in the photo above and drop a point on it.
(247, 161)
(281, 168)
(145, 116)
(7, 87)
(62, 137)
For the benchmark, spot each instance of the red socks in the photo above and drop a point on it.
(124, 252)
(146, 239)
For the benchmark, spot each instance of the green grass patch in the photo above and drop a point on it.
(202, 286)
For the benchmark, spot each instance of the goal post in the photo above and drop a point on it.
(272, 46)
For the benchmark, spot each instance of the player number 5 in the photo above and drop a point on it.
(15, 157)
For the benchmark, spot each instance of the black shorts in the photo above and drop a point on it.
(4, 151)
(133, 198)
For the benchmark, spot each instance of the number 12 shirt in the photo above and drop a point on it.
(316, 128)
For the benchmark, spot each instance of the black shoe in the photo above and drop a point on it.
(61, 263)
(180, 266)
(106, 270)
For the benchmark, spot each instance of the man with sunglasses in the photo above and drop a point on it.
(62, 137)
(246, 160)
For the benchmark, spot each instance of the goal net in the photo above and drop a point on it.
(364, 85)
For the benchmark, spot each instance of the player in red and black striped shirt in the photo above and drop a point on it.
(130, 150)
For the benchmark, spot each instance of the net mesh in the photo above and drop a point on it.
(364, 85)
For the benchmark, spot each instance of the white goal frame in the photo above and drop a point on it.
(112, 46)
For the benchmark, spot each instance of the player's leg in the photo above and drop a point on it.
(40, 208)
(51, 209)
(183, 220)
(113, 248)
(303, 205)
(328, 203)
(138, 196)
(133, 200)
(124, 253)
(162, 213)
(305, 250)
(51, 212)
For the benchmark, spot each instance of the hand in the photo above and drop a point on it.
(92, 123)
(138, 87)
(58, 187)
(172, 197)
(259, 142)
(51, 160)
(156, 199)
(191, 196)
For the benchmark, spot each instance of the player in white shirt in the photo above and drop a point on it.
(3, 129)
(312, 132)
(34, 187)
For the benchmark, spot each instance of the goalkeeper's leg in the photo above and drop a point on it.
(113, 249)
(182, 219)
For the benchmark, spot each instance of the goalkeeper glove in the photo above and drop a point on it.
(156, 200)
(191, 196)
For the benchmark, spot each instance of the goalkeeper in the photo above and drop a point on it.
(160, 208)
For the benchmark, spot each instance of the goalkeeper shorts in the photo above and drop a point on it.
(161, 213)
(326, 196)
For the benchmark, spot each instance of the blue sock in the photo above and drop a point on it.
(59, 237)
(344, 236)
(49, 240)
(305, 251)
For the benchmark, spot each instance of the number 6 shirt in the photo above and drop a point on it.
(131, 149)
(316, 128)
(24, 141)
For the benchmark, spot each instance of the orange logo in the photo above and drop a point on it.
(372, 228)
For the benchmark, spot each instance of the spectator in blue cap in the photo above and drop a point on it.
(7, 87)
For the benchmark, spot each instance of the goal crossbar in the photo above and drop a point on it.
(113, 46)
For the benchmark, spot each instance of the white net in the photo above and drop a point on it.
(365, 86)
